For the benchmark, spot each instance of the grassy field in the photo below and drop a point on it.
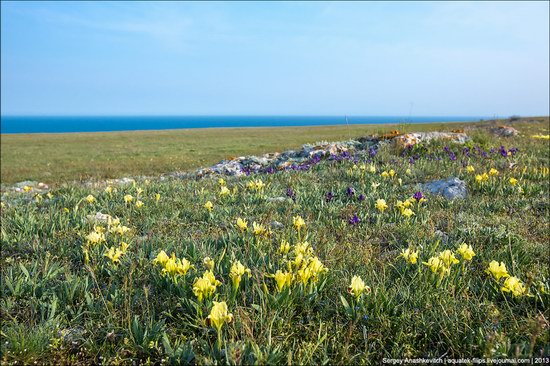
(75, 291)
(55, 158)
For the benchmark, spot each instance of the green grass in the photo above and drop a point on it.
(59, 308)
(55, 158)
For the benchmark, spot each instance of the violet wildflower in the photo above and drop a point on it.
(503, 151)
(418, 196)
(354, 220)
(350, 191)
(452, 156)
(329, 196)
(361, 197)
(291, 194)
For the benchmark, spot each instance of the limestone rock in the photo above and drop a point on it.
(450, 189)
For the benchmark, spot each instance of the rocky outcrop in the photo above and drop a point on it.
(409, 139)
(505, 131)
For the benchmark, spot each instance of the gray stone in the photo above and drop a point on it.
(505, 131)
(450, 189)
(276, 224)
(442, 236)
(99, 218)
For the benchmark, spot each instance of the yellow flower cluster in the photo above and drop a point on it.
(410, 255)
(282, 279)
(256, 185)
(303, 266)
(172, 266)
(541, 137)
(443, 262)
(259, 230)
(404, 207)
(204, 287)
(511, 284)
(97, 236)
(115, 227)
(114, 254)
(389, 174)
(284, 248)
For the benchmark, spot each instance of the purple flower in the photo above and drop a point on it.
(246, 170)
(446, 148)
(329, 196)
(411, 161)
(503, 151)
(372, 152)
(290, 193)
(452, 156)
(354, 220)
(514, 150)
(361, 197)
(350, 191)
(418, 196)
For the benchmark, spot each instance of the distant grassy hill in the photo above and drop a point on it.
(55, 158)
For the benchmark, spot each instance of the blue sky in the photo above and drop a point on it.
(357, 58)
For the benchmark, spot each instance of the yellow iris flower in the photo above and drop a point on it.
(381, 205)
(357, 287)
(497, 270)
(282, 279)
(236, 273)
(515, 286)
(284, 248)
(448, 258)
(298, 222)
(466, 252)
(208, 263)
(219, 315)
(242, 224)
(258, 229)
(409, 255)
(114, 254)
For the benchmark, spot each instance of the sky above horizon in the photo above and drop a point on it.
(276, 58)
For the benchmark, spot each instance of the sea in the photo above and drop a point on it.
(62, 124)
